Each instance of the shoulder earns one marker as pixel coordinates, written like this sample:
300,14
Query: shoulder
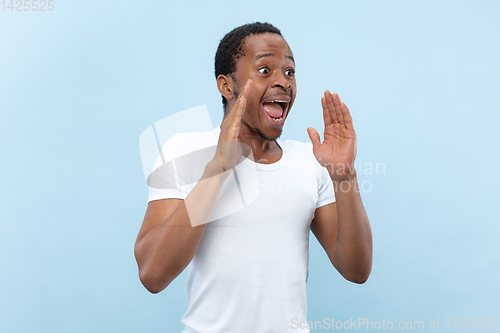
182,143
192,137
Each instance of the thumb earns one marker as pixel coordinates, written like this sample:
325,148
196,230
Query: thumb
314,136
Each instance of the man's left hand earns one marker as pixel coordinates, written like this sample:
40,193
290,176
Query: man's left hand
338,150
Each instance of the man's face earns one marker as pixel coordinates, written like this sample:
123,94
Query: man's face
268,62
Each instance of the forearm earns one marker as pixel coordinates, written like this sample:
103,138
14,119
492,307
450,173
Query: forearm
353,246
165,251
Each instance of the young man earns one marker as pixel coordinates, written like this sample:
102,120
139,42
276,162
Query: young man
248,269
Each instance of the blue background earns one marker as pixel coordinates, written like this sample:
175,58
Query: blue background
79,84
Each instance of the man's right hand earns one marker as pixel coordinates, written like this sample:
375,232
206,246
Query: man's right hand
230,148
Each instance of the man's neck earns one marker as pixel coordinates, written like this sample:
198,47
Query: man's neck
264,151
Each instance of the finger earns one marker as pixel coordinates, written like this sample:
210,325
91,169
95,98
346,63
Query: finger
246,88
241,107
347,116
234,108
314,136
331,107
243,94
228,127
236,111
336,105
240,110
326,114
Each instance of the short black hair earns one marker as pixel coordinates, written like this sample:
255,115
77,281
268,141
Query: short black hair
231,47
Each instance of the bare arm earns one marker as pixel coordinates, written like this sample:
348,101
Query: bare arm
172,228
167,240
342,228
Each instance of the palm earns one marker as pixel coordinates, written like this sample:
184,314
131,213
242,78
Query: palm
338,150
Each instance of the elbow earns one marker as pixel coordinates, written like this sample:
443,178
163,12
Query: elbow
358,278
149,275
155,279
355,271
152,288
156,276
148,282
358,275
151,282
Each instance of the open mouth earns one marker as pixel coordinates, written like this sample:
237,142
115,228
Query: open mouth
276,109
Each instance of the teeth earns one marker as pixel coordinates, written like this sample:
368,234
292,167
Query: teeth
277,119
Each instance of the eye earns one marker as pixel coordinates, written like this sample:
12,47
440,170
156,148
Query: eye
264,70
290,72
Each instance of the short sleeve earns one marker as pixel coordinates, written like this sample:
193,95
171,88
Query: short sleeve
326,194
174,174
175,193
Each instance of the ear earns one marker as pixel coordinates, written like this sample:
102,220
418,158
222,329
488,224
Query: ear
225,86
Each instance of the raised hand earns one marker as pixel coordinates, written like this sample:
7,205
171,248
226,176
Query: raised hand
338,150
230,148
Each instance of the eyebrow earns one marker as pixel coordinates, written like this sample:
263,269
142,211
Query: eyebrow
263,55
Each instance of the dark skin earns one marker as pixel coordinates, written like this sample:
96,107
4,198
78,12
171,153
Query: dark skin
342,227
173,228
271,75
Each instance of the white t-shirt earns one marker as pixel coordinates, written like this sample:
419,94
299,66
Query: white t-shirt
250,270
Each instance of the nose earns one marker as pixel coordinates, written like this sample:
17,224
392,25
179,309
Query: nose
280,80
